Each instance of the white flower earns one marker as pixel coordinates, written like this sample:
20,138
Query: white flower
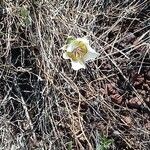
79,52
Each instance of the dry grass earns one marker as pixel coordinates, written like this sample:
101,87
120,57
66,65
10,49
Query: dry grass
44,104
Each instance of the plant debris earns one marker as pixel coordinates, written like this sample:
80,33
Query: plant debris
46,105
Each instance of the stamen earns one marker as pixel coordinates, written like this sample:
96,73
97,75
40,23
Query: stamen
79,52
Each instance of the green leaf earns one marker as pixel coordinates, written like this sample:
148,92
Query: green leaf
104,144
24,12
69,145
25,16
70,39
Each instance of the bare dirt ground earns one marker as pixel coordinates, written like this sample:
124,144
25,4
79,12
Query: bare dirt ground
44,104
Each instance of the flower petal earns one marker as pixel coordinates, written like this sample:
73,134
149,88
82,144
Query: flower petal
84,40
90,49
91,55
74,43
65,56
71,47
76,65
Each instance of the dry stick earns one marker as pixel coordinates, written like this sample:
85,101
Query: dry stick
138,96
112,47
43,54
121,16
18,89
74,86
28,118
136,31
72,122
25,109
109,45
133,47
142,61
81,126
8,47
141,37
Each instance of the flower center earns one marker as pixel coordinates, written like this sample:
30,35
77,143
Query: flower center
79,52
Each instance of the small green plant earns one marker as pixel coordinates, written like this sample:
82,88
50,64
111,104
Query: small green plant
25,16
69,145
104,143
